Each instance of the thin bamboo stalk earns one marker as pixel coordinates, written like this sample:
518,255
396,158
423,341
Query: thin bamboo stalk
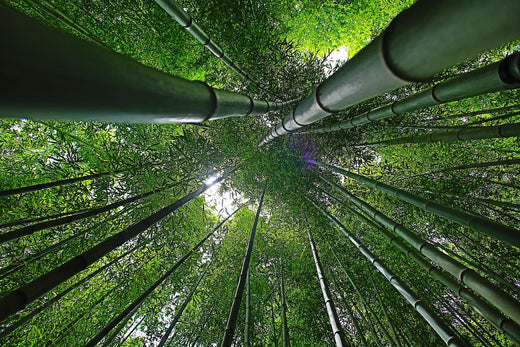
337,330
430,317
466,134
181,309
19,298
467,276
88,82
247,341
491,78
462,217
235,306
285,330
413,48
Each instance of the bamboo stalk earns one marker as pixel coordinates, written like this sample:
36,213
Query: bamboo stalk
414,47
462,217
18,299
285,330
431,318
235,306
88,82
337,330
467,276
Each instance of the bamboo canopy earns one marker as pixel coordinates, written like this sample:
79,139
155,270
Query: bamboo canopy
495,77
91,83
435,322
420,42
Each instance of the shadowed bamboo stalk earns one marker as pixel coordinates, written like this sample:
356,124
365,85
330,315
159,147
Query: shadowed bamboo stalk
247,341
121,343
285,329
462,217
186,21
181,310
18,299
431,318
413,48
39,219
337,330
511,161
492,78
466,134
467,276
30,229
235,306
116,332
89,82
137,302
56,183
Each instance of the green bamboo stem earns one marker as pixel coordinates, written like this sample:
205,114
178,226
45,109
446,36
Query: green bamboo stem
89,82
63,182
361,297
116,332
235,306
20,298
462,217
413,48
467,134
137,302
346,304
430,317
487,120
337,330
479,112
286,341
39,219
186,21
495,77
181,309
121,343
467,276
30,229
511,161
247,341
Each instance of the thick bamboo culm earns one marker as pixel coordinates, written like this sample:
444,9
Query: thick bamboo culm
337,330
18,299
479,224
431,318
186,21
494,316
227,340
91,83
495,77
467,134
500,299
420,42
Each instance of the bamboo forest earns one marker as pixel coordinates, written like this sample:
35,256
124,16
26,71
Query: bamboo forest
259,173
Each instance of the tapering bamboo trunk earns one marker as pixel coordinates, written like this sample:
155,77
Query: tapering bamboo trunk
337,330
492,78
285,330
467,276
431,318
181,309
413,48
247,332
235,306
30,229
18,299
462,217
88,82
467,134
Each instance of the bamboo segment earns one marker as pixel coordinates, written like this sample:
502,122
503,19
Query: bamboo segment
187,22
462,217
433,320
503,301
285,328
21,297
495,77
88,82
235,306
181,310
137,302
337,330
247,331
474,133
421,41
